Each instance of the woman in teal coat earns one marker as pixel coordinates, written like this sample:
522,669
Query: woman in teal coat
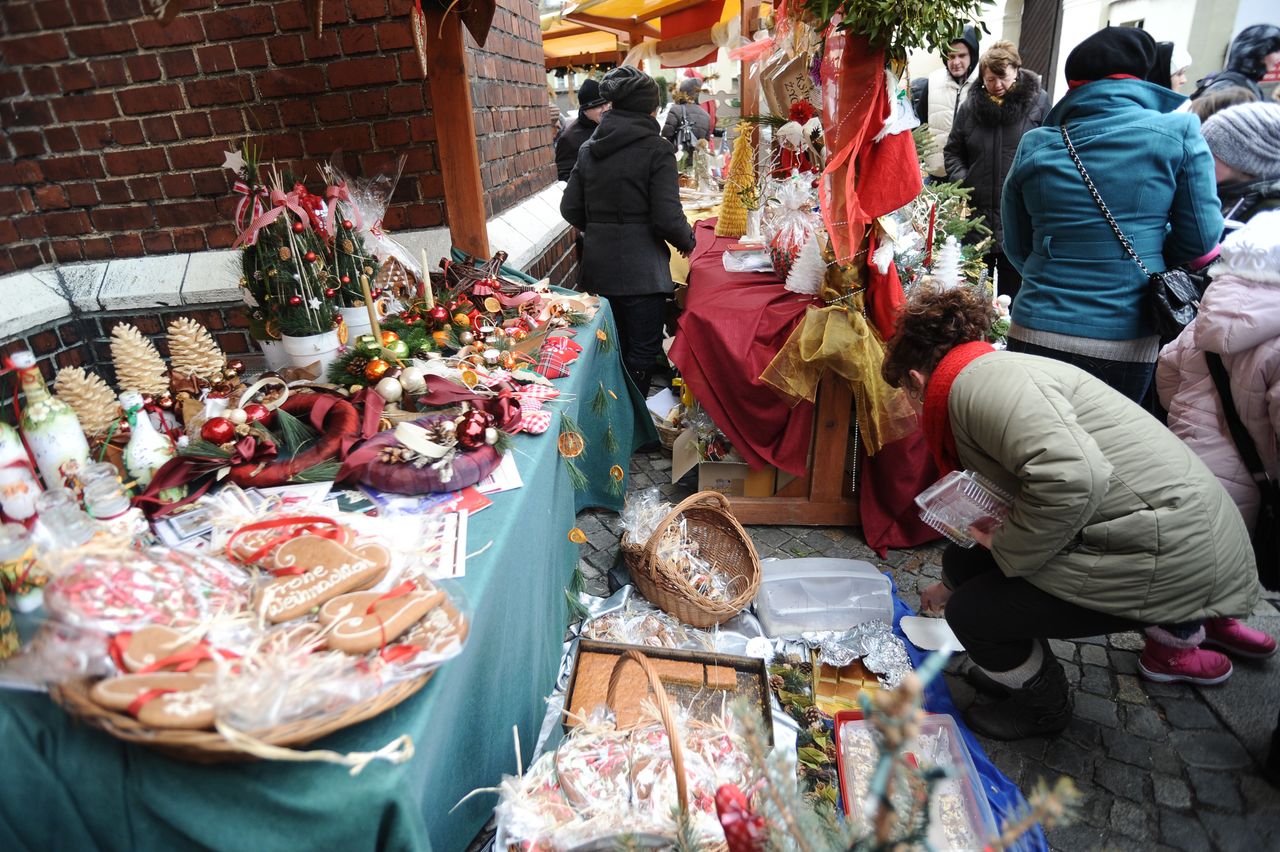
1083,299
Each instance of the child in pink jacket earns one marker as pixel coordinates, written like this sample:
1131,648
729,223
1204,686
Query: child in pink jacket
1240,320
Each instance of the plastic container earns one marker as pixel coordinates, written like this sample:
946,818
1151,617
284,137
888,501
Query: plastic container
961,818
800,595
960,500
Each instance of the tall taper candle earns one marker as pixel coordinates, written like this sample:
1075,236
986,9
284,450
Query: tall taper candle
426,283
373,309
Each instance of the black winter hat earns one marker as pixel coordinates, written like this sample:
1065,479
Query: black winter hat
630,89
1110,51
1250,46
589,95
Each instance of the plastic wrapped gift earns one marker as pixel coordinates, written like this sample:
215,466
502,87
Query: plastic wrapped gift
962,500
791,222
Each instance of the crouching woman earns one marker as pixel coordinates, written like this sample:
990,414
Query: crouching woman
1115,524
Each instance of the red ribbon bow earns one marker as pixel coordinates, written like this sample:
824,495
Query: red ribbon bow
334,194
249,207
280,202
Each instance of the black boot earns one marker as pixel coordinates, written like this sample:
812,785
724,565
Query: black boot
977,677
642,378
1040,707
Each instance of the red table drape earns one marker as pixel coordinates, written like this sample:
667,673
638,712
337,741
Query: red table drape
732,326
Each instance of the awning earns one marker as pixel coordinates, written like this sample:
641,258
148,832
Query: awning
586,32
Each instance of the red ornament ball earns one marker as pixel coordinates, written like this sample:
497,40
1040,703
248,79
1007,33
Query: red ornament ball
346,279
256,412
309,257
165,402
329,292
440,315
235,365
295,300
299,227
348,224
218,430
470,430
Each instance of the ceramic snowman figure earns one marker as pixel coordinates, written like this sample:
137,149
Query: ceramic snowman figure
50,426
148,449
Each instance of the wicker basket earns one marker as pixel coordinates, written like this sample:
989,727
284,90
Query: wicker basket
721,541
210,746
666,434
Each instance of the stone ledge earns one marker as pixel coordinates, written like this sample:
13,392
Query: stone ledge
48,294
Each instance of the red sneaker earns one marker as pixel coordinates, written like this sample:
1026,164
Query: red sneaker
1163,664
1236,637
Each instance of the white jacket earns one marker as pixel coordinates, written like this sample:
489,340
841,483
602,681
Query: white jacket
1239,319
945,97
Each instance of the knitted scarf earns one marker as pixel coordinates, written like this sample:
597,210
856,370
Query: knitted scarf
937,416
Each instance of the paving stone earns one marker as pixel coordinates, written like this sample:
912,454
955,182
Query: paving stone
1123,662
1163,690
1129,819
1129,690
1128,641
1072,672
1063,649
602,538
1069,759
602,560
1033,747
1187,713
1170,792
1121,779
1182,832
1082,732
1095,679
1094,655
1259,795
1232,833
1145,722
1114,842
661,464
1216,789
1092,640
1127,748
1076,836
1165,759
1096,709
1209,749
1012,764
769,537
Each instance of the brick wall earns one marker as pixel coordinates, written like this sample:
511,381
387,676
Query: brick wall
114,128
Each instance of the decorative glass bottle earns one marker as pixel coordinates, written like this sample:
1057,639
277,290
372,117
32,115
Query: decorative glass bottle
148,449
50,426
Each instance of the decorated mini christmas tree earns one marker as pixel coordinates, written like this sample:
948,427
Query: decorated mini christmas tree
192,351
139,366
349,256
946,270
739,186
90,398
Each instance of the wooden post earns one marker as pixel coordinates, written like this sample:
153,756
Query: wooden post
456,132
748,85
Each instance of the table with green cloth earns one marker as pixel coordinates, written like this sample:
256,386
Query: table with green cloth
64,785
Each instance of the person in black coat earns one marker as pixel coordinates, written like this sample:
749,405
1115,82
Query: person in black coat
624,195
1254,52
985,136
590,107
686,108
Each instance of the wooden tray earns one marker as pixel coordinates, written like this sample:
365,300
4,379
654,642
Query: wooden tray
702,702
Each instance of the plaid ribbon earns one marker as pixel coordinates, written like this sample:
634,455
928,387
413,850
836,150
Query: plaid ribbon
556,356
535,422
249,207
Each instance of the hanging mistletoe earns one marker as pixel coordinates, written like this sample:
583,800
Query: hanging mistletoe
899,25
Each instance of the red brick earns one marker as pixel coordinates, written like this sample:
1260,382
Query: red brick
113,192
237,23
210,319
166,97
40,81
177,185
357,40
109,72
81,194
285,49
34,49
407,98
185,213
160,128
371,70
11,85
27,143
123,10
145,188
219,90
6,263
297,113
215,57
158,242
291,16
395,35
226,121
320,48
31,227
67,251
70,223
133,218
19,17
262,117
236,317
391,133
364,9
129,245
184,29
94,137
9,204
370,104
193,125
75,77
178,63
51,197
26,114
198,154
135,161
72,168
8,233
220,236
422,128
44,342
90,12
144,68
188,239
70,357
127,132
250,54
288,82
333,107
233,343
53,14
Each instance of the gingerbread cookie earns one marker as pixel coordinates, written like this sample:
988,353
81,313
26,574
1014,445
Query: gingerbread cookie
440,633
363,621
255,543
158,648
159,699
328,569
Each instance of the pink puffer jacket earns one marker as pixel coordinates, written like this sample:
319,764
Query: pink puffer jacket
1240,319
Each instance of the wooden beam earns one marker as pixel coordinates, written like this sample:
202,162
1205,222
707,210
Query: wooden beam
748,83
456,132
614,57
621,27
572,31
669,10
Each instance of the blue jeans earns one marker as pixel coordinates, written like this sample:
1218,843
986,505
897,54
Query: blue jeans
1131,378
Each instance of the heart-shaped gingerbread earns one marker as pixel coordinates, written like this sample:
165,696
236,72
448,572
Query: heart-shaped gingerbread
327,569
363,621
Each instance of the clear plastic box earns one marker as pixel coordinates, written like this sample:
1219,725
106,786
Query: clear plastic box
799,595
960,500
961,818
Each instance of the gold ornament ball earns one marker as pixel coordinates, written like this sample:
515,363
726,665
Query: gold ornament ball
462,319
389,337
376,369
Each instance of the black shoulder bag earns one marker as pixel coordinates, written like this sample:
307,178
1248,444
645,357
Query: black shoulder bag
1172,297
1266,530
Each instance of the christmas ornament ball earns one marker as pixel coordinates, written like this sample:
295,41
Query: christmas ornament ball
471,429
256,412
329,293
295,300
218,430
467,338
376,369
441,338
237,416
298,227
439,315
389,389
367,344
348,224
236,366
346,279
309,257
389,337
398,348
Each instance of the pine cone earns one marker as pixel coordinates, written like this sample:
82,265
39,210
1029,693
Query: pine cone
806,668
775,683
139,366
813,715
90,398
192,351
356,365
395,455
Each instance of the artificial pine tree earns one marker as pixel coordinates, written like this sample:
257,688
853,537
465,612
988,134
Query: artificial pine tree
139,366
192,351
809,269
739,186
90,398
946,270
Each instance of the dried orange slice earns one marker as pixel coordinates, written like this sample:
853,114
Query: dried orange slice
617,473
577,536
571,444
492,305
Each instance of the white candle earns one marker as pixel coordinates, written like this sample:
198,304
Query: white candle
426,283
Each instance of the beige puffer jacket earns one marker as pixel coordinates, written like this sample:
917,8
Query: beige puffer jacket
945,97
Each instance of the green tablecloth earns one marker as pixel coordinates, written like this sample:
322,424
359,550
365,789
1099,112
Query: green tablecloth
66,786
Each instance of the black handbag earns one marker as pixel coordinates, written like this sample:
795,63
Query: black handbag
1172,298
1266,530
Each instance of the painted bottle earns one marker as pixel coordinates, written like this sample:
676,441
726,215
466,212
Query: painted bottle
50,426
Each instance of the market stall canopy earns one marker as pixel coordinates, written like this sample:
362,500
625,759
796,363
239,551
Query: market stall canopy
679,32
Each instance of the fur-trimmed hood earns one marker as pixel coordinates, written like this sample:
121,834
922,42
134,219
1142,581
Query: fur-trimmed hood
1016,103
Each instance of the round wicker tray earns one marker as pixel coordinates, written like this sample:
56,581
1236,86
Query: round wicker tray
210,746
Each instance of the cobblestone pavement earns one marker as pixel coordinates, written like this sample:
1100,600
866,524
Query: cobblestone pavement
1160,766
